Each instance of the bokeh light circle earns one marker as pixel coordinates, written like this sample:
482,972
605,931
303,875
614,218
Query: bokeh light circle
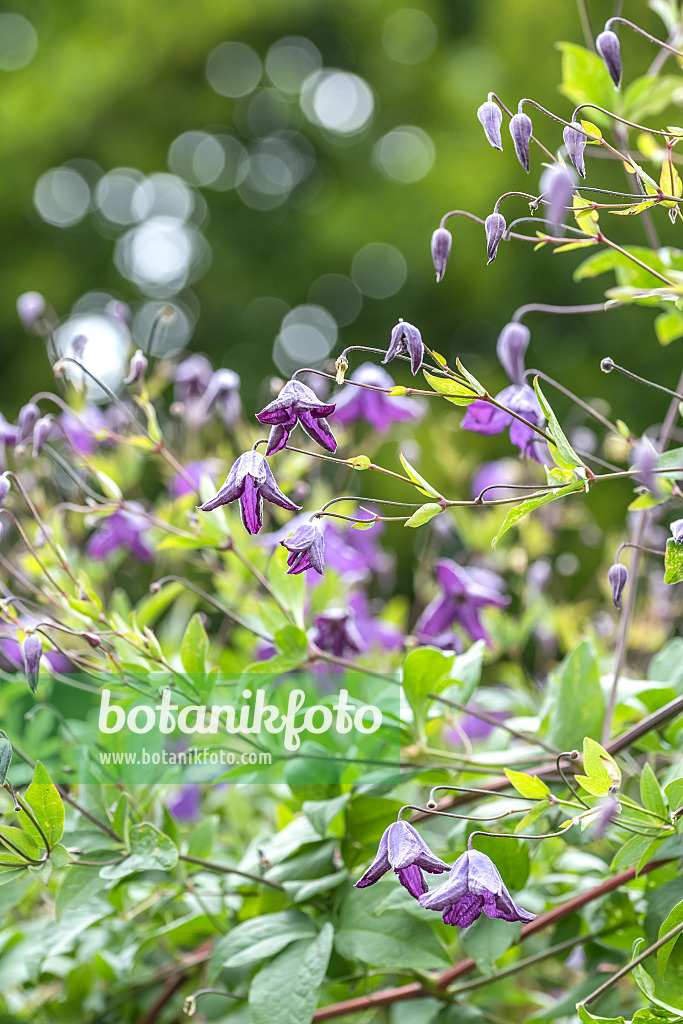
18,42
405,154
290,61
339,101
62,196
233,69
379,270
409,36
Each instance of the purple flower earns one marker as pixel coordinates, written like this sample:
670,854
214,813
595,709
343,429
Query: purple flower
513,341
186,803
557,184
31,306
499,473
375,632
403,849
8,434
356,554
494,227
191,379
491,118
41,432
29,415
336,632
306,548
441,250
474,885
464,593
406,340
483,418
676,528
295,402
137,368
222,395
607,45
123,529
11,655
120,311
250,480
377,408
80,432
4,488
521,130
618,578
575,142
644,461
179,487
31,653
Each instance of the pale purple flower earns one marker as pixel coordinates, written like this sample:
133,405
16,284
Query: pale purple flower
118,310
375,632
124,529
185,804
29,415
618,578
31,306
356,555
406,340
521,130
403,849
441,250
336,632
250,480
306,548
575,142
474,886
41,432
11,655
513,341
557,185
4,488
491,118
222,395
464,592
607,45
644,461
498,473
494,226
484,418
137,368
179,487
297,402
9,434
375,407
31,653
81,432
191,379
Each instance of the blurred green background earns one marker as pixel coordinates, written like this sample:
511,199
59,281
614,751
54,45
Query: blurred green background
297,139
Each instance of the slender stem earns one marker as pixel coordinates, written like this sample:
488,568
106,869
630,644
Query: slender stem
225,869
586,28
46,533
542,307
634,259
477,713
29,545
608,365
642,32
211,600
627,968
574,398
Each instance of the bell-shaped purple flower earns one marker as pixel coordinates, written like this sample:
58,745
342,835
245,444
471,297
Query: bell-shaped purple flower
374,407
575,142
250,480
618,578
295,402
124,529
403,849
513,341
676,527
191,379
557,184
607,45
464,593
306,548
336,632
484,418
442,240
521,130
406,340
474,886
137,368
491,118
31,653
41,432
494,227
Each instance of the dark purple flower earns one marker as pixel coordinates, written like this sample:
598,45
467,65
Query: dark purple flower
607,45
494,227
375,632
222,395
464,593
491,118
403,849
513,341
31,653
618,578
521,130
41,432
483,418
137,368
676,528
474,886
9,434
306,548
185,805
557,184
250,480
575,142
441,250
31,306
406,340
378,409
295,402
336,632
123,529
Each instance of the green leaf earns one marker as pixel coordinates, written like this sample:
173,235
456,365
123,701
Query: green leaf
292,642
587,1018
630,853
673,562
194,646
524,507
562,452
651,793
425,670
576,699
647,204
258,939
285,991
674,793
649,96
479,388
424,514
600,766
487,940
151,850
527,785
668,327
22,840
419,481
359,462
532,815
453,390
79,885
664,952
44,800
672,463
5,758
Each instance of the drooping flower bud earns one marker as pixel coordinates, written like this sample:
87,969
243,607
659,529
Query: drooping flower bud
41,432
644,461
137,368
495,229
31,653
575,142
607,45
676,529
513,341
4,488
521,130
491,118
557,184
30,307
618,577
441,250
29,414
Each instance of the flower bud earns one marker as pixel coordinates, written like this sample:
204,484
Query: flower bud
521,130
491,118
644,461
607,45
137,368
4,488
513,341
29,414
30,307
557,184
31,653
618,577
441,250
575,142
676,529
495,229
341,366
41,432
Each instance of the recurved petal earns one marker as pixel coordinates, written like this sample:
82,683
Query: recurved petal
450,891
465,912
278,437
270,490
318,428
231,489
379,866
504,907
251,506
411,878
